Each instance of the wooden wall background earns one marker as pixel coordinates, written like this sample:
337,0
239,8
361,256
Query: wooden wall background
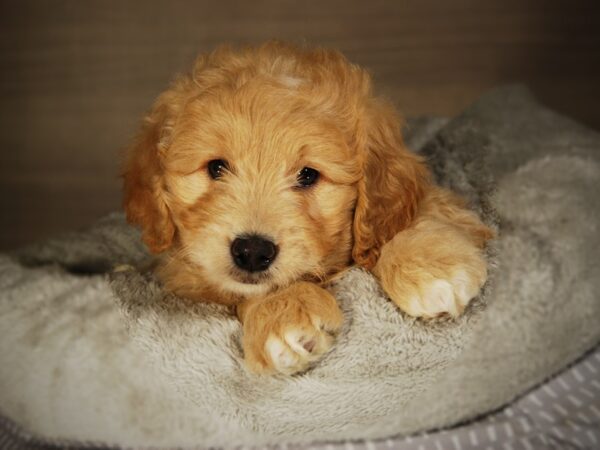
76,76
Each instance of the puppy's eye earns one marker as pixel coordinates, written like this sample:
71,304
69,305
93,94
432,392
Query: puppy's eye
216,168
307,177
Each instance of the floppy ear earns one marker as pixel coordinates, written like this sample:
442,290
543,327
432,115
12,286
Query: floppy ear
394,181
143,176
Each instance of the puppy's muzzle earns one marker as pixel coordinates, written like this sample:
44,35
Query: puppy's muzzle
253,253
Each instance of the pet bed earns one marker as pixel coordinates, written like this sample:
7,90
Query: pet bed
170,373
562,413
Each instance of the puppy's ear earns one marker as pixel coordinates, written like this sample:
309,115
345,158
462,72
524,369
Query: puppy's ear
143,176
394,181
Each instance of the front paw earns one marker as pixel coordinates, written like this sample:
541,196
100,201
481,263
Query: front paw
289,330
432,274
433,297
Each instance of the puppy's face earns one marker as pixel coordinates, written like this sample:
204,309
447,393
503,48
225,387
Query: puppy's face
261,187
266,166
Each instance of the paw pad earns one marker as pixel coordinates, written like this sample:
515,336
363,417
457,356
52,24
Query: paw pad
309,345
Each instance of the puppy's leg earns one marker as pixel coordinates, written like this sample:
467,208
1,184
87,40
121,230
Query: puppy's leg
289,329
437,265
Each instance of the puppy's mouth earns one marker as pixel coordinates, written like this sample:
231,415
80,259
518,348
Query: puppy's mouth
249,278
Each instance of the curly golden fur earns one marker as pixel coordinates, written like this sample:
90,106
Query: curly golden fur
268,112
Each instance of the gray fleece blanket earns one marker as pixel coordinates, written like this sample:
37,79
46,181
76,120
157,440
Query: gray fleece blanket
170,373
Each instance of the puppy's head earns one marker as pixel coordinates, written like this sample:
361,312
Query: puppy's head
269,165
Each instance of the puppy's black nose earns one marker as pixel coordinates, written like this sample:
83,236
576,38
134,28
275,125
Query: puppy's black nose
253,253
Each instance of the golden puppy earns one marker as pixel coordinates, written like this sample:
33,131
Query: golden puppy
266,171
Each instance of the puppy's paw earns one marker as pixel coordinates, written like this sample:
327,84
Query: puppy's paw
433,297
297,347
429,273
289,330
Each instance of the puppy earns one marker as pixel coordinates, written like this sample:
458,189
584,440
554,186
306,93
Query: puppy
265,172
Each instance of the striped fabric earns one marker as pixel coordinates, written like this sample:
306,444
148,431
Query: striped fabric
563,413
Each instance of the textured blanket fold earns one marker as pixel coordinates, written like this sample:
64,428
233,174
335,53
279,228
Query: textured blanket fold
132,365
